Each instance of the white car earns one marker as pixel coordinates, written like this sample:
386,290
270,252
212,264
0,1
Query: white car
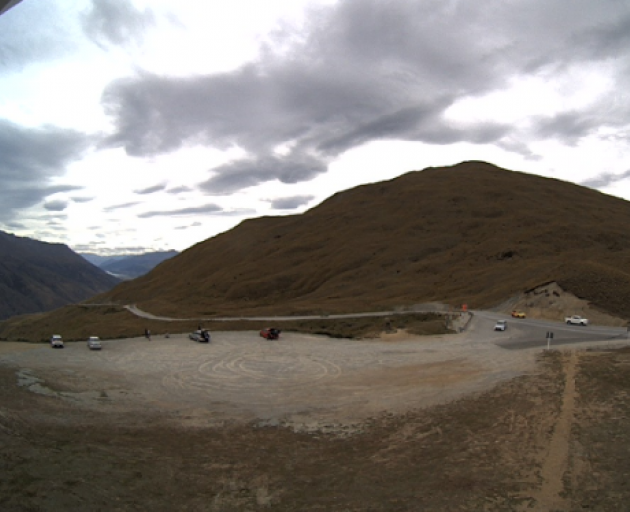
56,341
94,343
501,325
576,320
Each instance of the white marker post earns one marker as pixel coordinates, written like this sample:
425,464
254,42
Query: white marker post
549,338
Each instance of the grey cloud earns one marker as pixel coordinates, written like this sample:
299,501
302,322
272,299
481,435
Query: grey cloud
81,199
249,172
568,126
209,208
53,216
116,22
85,248
150,190
43,235
367,70
110,251
15,225
290,203
605,179
192,225
604,40
120,206
388,126
178,190
56,205
29,158
56,227
518,146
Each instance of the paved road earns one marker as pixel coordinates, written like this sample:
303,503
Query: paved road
521,333
527,333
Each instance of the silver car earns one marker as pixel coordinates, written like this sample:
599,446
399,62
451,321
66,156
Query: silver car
501,325
94,343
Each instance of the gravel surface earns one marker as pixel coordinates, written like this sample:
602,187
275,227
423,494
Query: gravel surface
304,381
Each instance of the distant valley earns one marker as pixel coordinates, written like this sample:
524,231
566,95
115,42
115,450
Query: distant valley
126,267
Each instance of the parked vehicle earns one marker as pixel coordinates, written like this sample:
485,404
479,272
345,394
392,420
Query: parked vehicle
270,333
501,325
56,341
576,320
94,343
202,335
518,314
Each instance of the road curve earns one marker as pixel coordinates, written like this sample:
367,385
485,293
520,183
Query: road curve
132,308
521,333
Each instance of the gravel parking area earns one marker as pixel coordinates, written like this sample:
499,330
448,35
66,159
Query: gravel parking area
305,381
311,423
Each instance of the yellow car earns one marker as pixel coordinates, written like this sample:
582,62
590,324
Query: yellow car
518,314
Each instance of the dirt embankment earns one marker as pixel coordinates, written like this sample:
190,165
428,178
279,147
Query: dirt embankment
551,302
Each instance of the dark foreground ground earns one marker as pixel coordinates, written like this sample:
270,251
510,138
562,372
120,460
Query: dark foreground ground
554,440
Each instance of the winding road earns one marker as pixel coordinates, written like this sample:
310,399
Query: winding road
521,333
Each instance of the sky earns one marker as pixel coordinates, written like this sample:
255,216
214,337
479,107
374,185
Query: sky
135,125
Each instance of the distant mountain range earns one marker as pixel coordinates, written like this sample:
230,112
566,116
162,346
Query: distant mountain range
127,267
38,276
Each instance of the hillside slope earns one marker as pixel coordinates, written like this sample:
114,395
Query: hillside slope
37,276
472,233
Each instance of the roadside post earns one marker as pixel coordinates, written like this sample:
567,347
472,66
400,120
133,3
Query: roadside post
549,338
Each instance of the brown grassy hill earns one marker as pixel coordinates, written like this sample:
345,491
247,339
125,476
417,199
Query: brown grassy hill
472,233
38,276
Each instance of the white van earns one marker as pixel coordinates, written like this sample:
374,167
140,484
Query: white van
56,341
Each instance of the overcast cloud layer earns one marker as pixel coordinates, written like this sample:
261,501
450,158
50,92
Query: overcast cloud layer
540,85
